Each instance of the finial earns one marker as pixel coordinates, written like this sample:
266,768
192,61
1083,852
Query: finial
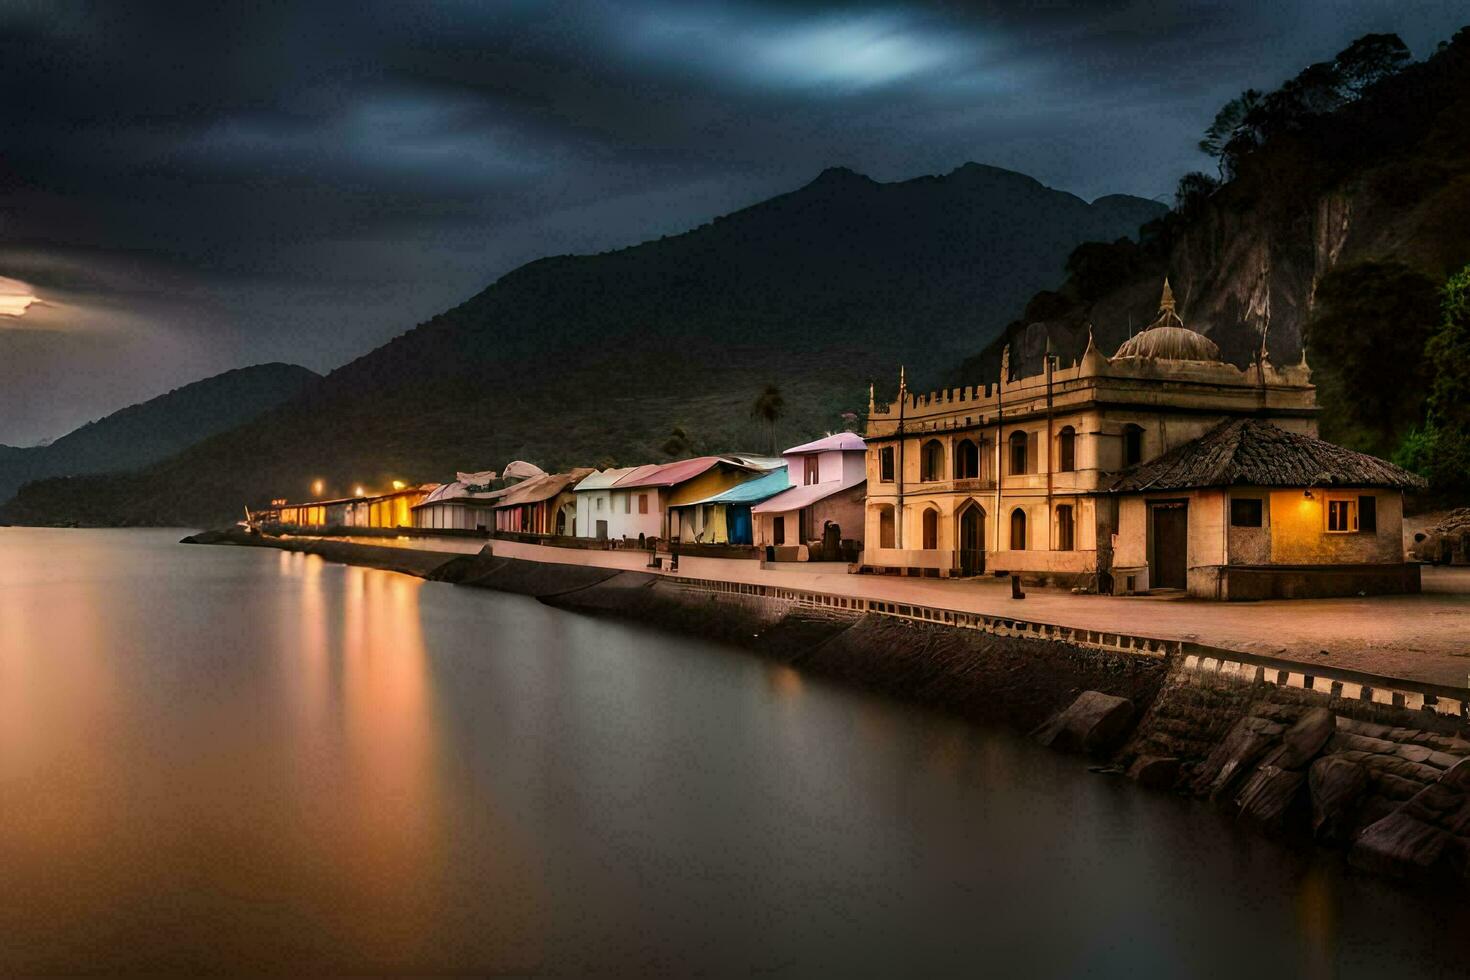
903,384
1091,345
1166,301
872,404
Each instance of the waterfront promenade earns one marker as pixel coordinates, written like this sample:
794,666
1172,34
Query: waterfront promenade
1422,637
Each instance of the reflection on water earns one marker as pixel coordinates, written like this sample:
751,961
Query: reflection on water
213,757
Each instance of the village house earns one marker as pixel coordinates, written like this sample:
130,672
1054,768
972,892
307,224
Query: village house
724,517
461,505
1018,476
595,516
653,502
823,504
541,505
1251,511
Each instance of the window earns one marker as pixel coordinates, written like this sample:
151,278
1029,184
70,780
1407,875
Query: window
599,503
643,503
1066,528
931,529
811,470
778,530
1342,516
1132,445
1067,450
1018,530
1018,453
931,461
1368,513
1245,512
885,464
966,460
885,527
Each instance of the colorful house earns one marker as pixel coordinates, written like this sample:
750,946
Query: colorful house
642,500
1252,511
543,505
824,503
724,517
462,505
389,510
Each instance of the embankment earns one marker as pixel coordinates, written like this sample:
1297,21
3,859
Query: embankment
1368,764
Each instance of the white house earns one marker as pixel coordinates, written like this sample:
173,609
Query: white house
595,518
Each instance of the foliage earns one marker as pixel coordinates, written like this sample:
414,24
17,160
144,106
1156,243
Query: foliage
1440,450
1370,401
1193,191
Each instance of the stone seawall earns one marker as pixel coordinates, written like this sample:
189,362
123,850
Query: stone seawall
1370,764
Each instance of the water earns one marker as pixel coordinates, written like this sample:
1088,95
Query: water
213,757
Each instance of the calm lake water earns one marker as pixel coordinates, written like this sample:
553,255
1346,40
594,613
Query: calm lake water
213,757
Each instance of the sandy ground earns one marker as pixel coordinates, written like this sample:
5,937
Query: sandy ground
1424,637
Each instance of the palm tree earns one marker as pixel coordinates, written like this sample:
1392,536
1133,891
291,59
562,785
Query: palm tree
768,407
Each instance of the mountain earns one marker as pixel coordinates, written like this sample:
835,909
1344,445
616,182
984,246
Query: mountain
1345,208
578,360
158,428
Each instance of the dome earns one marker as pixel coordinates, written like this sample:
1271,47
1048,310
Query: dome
1168,339
1170,343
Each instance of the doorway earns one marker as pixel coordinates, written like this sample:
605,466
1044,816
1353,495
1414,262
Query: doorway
972,541
1168,555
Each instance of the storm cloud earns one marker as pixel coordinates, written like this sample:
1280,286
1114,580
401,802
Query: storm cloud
187,190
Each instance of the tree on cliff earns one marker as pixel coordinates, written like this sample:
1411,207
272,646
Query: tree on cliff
1440,450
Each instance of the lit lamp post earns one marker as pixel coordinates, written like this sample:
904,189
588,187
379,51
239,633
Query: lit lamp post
317,486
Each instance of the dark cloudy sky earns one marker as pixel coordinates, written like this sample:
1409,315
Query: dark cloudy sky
187,191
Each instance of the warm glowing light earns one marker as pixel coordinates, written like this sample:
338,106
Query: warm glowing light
358,492
16,297
399,484
316,488
1307,493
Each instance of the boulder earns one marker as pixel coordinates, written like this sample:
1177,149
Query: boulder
1336,787
1426,838
1095,723
1271,798
1155,771
1302,741
1236,754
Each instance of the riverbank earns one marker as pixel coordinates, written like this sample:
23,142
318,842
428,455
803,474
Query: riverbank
1367,763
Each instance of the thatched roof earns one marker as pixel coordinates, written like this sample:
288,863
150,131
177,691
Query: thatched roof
1253,453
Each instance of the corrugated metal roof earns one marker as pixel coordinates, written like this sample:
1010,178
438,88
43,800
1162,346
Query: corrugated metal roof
602,479
840,441
752,491
668,474
799,497
540,488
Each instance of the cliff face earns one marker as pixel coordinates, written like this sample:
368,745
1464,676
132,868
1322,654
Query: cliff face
1385,179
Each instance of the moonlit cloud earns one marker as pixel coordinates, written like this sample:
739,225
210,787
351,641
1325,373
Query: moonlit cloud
16,297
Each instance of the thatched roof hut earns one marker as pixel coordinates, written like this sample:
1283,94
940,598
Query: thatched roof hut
1253,453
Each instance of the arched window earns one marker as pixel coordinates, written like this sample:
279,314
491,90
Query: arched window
1066,528
931,529
885,526
1018,530
931,461
1132,444
1018,453
1067,450
966,460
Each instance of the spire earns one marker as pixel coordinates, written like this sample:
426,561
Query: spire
1166,301
872,404
903,384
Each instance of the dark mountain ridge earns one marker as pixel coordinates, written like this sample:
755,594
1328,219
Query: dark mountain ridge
134,437
576,360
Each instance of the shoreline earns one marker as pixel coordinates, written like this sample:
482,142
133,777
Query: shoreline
1376,766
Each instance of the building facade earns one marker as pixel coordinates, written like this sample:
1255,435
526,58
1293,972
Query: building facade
825,502
1013,477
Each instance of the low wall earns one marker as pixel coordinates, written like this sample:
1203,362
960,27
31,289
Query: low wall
1242,583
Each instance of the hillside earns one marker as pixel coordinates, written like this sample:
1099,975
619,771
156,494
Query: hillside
578,360
158,428
1336,225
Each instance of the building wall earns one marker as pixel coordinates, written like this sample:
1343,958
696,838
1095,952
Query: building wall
1300,536
625,520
